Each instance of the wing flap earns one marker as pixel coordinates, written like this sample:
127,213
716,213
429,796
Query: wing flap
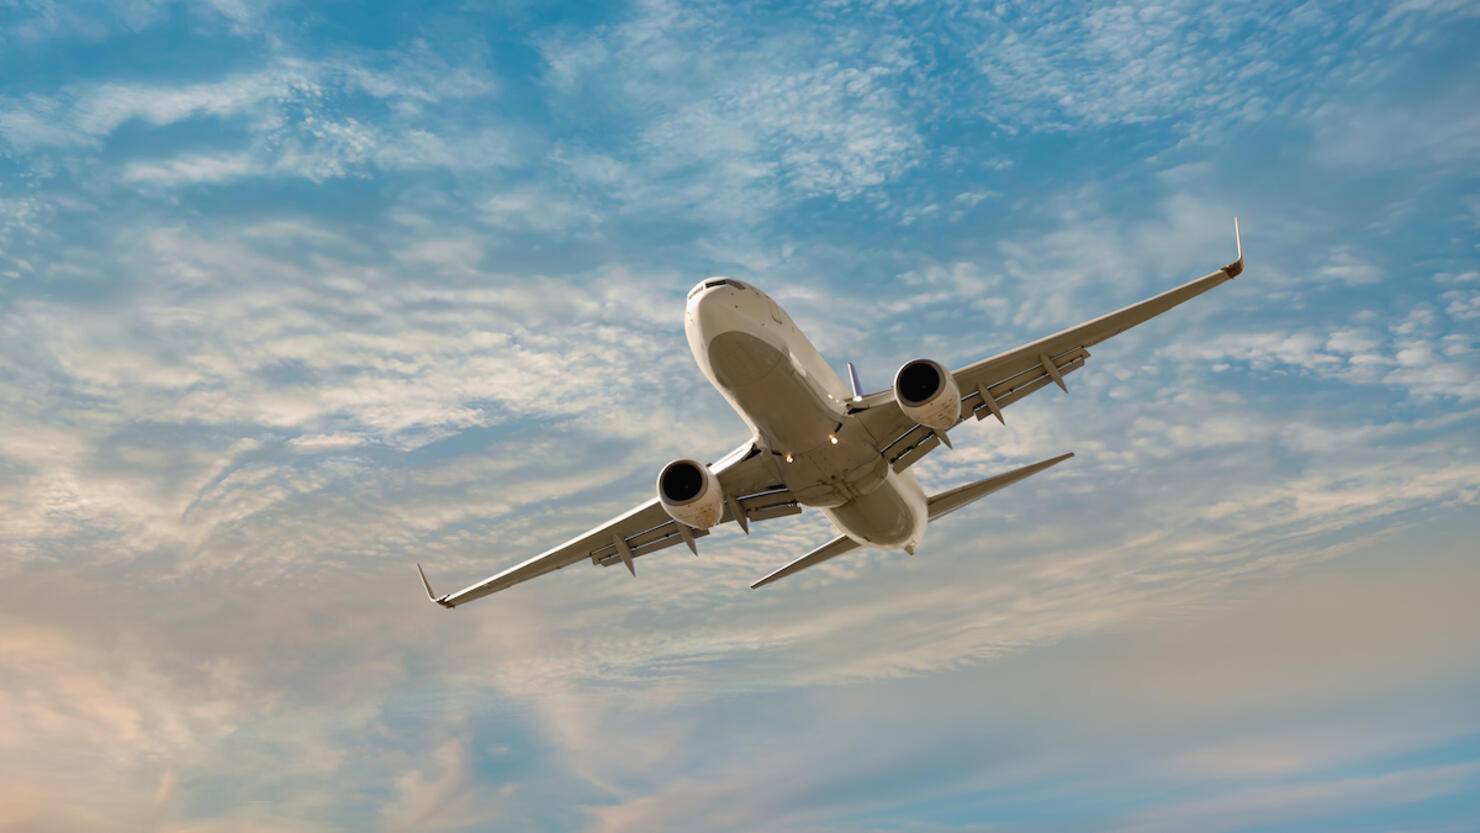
648,541
763,506
777,503
783,510
772,503
1016,387
910,446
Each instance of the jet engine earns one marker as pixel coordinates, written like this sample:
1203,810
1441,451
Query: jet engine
928,394
690,494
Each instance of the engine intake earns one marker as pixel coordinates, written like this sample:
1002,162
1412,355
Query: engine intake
928,394
691,494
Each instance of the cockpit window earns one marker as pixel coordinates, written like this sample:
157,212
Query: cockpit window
713,283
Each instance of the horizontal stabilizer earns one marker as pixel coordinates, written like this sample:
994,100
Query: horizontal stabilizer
958,497
835,547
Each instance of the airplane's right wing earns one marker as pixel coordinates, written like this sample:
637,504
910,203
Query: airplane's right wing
992,384
753,493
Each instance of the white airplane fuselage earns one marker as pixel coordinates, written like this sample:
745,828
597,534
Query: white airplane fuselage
797,411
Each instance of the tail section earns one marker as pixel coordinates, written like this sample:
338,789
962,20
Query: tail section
835,547
941,504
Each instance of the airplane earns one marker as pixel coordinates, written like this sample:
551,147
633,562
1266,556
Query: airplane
814,442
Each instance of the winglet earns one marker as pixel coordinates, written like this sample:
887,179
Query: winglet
853,381
1236,268
428,585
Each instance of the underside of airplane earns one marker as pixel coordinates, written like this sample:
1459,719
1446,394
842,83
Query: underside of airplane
816,442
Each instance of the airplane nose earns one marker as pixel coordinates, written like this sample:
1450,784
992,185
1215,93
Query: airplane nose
711,300
714,286
717,322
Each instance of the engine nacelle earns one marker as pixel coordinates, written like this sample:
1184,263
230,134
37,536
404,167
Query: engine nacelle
928,394
690,494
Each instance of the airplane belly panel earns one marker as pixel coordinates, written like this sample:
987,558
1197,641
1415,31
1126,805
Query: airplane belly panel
892,517
760,380
740,360
834,473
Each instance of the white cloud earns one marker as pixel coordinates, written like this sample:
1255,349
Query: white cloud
327,442
1462,306
532,209
1383,133
785,117
1343,266
43,20
36,125
1051,67
1419,362
327,363
449,799
291,113
1262,805
1462,277
189,170
467,151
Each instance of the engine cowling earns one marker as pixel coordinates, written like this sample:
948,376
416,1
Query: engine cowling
691,494
928,394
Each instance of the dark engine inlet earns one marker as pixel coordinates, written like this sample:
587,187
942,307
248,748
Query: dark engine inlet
918,382
681,482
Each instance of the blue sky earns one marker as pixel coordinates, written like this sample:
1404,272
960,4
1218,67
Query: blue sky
291,298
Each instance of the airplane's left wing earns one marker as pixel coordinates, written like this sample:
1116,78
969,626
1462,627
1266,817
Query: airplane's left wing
991,384
752,493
